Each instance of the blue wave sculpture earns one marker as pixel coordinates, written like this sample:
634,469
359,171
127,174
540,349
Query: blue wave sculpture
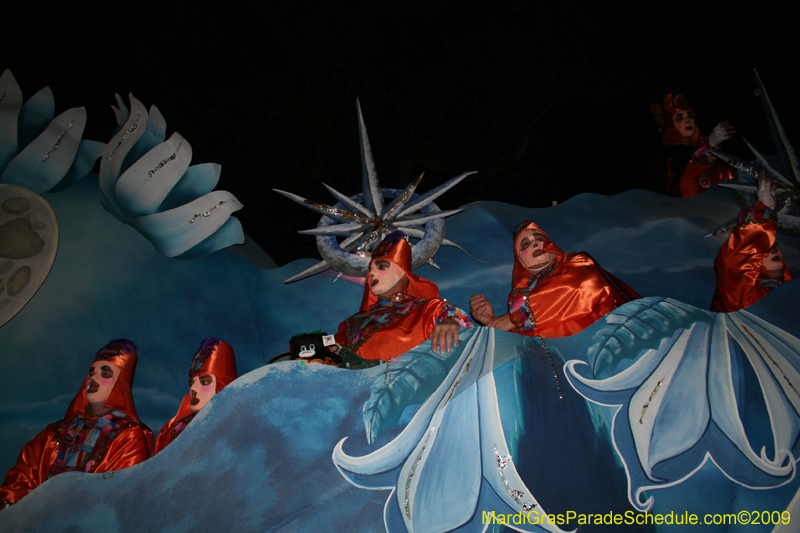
678,376
146,182
38,150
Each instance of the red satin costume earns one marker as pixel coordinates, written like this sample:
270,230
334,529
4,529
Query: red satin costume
567,297
742,279
214,357
690,168
383,330
124,442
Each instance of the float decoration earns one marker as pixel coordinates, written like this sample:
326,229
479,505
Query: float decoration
676,374
39,151
147,182
364,220
787,198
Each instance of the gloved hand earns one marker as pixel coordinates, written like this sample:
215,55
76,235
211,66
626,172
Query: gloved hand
766,190
721,132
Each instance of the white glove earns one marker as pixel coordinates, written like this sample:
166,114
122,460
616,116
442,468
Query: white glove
766,190
721,132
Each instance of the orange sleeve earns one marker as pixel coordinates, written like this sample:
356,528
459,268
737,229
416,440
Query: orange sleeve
163,438
32,468
739,264
571,299
129,448
341,335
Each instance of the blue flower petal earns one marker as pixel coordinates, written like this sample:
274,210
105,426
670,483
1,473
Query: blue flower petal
154,134
229,234
176,231
114,155
10,105
195,182
88,153
142,188
682,403
448,460
45,161
35,115
121,113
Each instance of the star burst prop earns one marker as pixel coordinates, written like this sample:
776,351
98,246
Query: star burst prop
788,197
363,220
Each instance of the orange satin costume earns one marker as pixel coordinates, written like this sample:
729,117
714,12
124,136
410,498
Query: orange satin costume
690,168
567,297
214,357
384,329
740,263
125,443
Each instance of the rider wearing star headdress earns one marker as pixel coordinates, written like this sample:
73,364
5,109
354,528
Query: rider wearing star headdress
399,310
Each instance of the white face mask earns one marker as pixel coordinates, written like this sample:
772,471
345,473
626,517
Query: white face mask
202,389
684,122
100,381
530,250
774,263
383,275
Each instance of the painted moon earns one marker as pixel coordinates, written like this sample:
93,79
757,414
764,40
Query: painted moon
28,244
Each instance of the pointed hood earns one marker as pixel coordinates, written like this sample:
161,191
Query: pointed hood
520,274
395,248
213,357
122,354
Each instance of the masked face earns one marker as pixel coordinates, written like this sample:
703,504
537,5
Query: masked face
684,122
202,389
774,263
530,250
383,275
100,380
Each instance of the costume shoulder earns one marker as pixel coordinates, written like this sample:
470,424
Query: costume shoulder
130,444
33,465
621,291
579,258
739,263
170,431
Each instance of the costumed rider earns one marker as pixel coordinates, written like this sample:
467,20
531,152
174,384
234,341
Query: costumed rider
750,263
399,310
100,431
213,368
685,163
553,294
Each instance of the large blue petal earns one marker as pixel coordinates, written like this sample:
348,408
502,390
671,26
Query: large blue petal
142,188
45,161
670,412
418,373
88,153
114,155
444,492
454,456
154,134
121,113
229,234
195,182
682,403
10,105
175,231
35,115
392,456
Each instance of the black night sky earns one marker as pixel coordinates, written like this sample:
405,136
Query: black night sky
545,99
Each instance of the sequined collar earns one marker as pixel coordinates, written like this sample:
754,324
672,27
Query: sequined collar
396,297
